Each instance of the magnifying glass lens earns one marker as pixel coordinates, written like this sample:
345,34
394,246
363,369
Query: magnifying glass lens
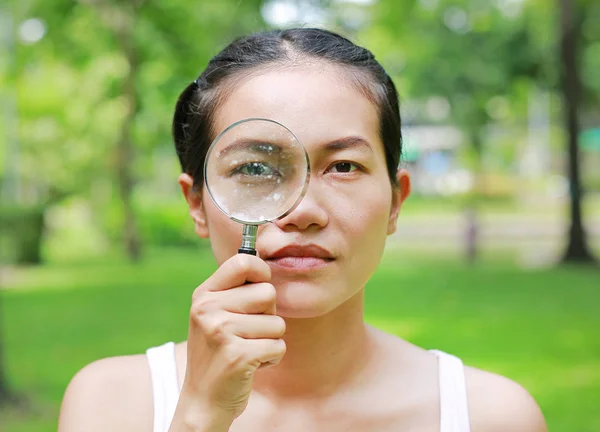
256,171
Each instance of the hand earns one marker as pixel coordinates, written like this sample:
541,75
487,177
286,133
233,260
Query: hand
233,331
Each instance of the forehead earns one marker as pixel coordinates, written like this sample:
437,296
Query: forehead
317,102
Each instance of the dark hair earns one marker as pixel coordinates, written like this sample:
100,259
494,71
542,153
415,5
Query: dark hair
193,121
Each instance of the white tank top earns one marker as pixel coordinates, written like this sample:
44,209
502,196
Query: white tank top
454,414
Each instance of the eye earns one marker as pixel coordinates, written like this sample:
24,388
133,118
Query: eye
255,169
343,167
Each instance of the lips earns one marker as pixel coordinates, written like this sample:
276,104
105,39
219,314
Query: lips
300,257
310,250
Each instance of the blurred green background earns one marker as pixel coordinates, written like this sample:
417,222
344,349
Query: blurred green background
494,256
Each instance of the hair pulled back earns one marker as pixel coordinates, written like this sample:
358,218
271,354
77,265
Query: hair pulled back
193,120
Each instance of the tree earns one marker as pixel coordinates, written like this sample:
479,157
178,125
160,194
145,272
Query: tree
466,53
570,50
98,92
120,20
5,393
472,52
6,175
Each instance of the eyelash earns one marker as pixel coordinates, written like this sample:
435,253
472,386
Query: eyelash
357,167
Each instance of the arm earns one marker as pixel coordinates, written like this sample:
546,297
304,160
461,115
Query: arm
111,394
233,331
497,404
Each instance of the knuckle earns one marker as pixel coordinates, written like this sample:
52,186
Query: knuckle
280,325
217,328
268,292
200,291
234,357
248,373
264,268
202,304
243,264
196,295
281,347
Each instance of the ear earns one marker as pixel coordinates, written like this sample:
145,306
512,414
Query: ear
399,194
194,200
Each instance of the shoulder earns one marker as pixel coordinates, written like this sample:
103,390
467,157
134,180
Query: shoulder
499,404
109,394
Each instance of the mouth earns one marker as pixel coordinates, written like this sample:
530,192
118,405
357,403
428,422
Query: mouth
300,258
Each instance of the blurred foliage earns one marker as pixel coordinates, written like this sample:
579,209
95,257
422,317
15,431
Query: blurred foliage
472,51
69,104
477,63
471,63
167,224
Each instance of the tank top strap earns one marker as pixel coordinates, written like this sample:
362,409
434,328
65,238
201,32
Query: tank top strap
454,410
165,388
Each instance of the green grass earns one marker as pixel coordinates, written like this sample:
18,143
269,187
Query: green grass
537,327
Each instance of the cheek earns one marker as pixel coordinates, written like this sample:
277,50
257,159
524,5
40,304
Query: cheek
225,235
363,223
364,209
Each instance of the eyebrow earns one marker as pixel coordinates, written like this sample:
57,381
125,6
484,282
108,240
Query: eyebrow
266,147
347,143
255,145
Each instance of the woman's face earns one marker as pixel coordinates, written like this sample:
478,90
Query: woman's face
326,249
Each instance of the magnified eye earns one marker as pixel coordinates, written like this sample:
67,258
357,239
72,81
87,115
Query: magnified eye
256,170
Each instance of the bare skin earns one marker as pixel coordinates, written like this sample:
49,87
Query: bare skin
290,350
116,394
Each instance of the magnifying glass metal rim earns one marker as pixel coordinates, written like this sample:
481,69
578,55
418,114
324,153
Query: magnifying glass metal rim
213,145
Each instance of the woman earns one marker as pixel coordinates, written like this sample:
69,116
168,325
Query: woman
278,343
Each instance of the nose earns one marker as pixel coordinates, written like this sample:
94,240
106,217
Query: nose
309,214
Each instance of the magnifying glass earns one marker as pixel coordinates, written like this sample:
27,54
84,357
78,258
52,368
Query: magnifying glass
256,171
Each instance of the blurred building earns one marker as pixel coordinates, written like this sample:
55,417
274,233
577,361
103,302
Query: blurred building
431,155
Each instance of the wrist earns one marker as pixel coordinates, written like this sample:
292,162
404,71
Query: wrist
205,422
195,415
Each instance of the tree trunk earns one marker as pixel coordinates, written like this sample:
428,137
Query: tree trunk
8,396
471,214
125,148
577,249
9,187
5,394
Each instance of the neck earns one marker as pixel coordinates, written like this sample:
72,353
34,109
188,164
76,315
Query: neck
321,354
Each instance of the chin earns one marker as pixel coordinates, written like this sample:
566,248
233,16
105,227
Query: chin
303,299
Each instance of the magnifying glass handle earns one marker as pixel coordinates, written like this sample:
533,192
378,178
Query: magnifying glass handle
248,239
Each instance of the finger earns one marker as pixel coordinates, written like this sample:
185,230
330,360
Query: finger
254,298
238,270
265,350
257,326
